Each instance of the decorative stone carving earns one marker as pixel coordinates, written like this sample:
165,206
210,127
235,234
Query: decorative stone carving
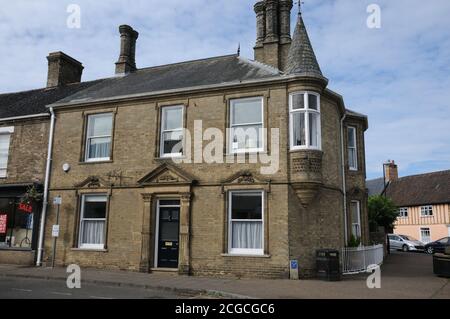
306,192
167,174
306,174
246,178
93,182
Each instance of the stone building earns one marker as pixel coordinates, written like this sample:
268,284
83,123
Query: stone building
24,130
138,192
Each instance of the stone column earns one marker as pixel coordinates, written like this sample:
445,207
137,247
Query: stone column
285,21
260,23
185,224
146,233
271,21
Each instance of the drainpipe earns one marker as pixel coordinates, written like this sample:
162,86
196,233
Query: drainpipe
344,190
46,184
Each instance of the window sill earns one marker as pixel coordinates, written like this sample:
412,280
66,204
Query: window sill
246,255
299,150
95,162
15,249
93,250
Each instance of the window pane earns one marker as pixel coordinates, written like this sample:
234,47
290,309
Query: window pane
94,209
352,158
355,212
173,118
246,235
314,129
298,120
351,137
100,125
173,142
312,102
246,206
167,202
99,147
298,101
246,111
247,137
93,232
4,150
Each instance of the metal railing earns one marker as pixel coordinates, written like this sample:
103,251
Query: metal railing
356,260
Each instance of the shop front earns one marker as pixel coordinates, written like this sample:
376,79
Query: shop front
19,222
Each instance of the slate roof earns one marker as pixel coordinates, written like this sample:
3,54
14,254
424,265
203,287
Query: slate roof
425,189
353,113
34,101
375,186
211,71
301,57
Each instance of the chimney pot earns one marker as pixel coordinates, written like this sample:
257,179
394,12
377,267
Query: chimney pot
63,69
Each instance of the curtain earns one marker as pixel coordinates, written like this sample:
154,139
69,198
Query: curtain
93,231
247,235
99,147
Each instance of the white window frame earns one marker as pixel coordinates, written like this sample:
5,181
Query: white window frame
245,251
358,206
162,131
6,131
306,111
403,212
355,148
88,138
422,229
426,211
231,150
80,233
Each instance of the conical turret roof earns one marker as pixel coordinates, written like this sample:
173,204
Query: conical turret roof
301,57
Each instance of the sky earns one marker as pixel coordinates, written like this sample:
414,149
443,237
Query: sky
398,74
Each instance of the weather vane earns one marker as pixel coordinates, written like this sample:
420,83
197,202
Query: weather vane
300,2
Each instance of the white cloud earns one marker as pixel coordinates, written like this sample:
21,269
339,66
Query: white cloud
398,75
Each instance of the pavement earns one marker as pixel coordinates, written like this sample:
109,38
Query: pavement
403,275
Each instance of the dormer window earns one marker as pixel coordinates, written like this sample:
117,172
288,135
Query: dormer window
304,118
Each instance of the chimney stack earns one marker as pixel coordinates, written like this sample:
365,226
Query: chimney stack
63,69
390,171
273,36
127,58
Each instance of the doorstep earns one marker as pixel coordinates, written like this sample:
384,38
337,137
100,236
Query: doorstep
173,271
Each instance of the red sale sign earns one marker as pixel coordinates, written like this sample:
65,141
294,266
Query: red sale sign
3,223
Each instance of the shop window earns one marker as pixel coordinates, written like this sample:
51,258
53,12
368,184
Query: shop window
16,224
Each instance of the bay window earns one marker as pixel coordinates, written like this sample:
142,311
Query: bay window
352,149
246,222
246,125
171,131
98,137
92,222
5,136
304,118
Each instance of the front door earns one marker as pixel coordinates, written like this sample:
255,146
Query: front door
168,233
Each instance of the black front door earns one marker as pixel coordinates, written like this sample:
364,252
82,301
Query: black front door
168,241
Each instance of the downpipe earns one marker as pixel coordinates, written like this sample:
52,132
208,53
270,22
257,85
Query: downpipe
344,188
46,186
